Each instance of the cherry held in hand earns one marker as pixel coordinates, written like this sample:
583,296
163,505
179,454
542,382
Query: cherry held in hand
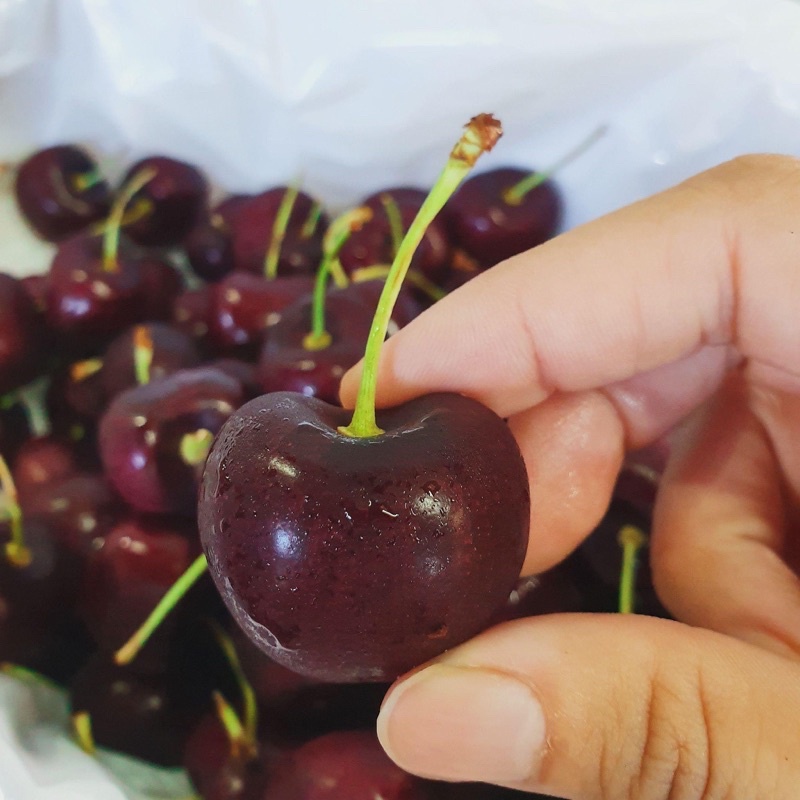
352,552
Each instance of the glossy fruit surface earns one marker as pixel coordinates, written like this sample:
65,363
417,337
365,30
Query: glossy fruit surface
53,196
357,559
491,229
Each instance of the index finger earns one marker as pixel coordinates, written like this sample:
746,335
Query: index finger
713,261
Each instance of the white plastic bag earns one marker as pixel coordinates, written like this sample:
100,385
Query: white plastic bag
356,95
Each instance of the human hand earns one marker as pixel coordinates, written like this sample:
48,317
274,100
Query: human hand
685,306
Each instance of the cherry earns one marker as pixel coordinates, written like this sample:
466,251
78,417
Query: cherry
288,363
379,545
14,426
255,223
86,299
491,227
80,510
36,287
343,766
243,306
209,249
172,350
42,461
141,437
60,192
21,335
162,285
379,552
130,712
191,313
138,561
377,241
172,201
227,210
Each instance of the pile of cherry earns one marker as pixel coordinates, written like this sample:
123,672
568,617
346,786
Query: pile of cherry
159,317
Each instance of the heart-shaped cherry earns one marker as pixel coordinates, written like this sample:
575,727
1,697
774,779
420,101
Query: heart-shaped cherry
355,552
60,191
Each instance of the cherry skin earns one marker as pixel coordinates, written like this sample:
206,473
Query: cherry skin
191,313
172,350
42,461
53,195
373,242
21,335
130,712
243,306
343,766
162,284
87,301
286,364
227,210
141,432
491,229
14,428
175,199
209,250
356,559
251,225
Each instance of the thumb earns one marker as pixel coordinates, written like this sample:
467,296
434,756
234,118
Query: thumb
603,708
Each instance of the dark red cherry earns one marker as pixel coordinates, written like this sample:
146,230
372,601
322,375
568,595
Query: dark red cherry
162,285
251,227
373,242
142,430
242,371
490,228
228,209
35,599
172,350
36,287
137,562
14,426
173,201
356,559
130,712
21,336
243,306
80,510
343,766
482,791
286,364
42,461
59,192
209,250
86,300
191,313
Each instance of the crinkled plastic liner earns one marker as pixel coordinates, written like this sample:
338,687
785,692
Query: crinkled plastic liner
352,96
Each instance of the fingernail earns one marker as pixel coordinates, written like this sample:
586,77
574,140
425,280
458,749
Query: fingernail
463,724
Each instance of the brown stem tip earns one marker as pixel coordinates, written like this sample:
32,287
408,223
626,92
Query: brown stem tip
480,136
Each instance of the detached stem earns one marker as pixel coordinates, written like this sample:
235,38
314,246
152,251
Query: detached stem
480,135
279,228
17,553
631,539
174,595
115,218
516,194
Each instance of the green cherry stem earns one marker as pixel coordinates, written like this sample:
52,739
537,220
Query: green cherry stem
17,553
310,225
516,193
249,700
142,354
115,218
85,180
480,135
82,726
335,238
174,595
631,539
392,211
380,271
279,228
242,746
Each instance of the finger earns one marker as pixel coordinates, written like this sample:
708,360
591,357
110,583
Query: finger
712,261
720,527
598,707
573,446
